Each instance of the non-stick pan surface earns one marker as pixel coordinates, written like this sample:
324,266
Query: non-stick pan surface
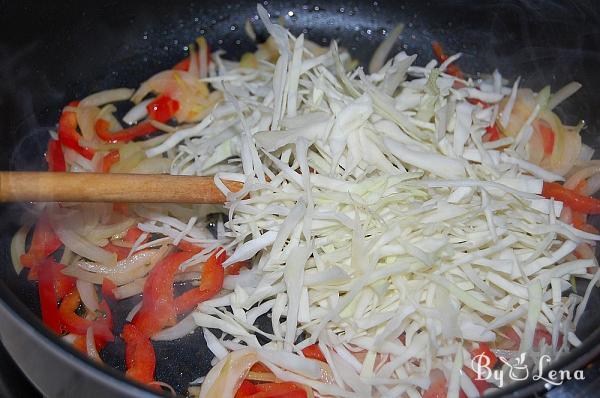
51,53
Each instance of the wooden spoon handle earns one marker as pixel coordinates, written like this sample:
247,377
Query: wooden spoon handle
43,186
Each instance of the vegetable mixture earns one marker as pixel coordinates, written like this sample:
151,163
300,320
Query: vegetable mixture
392,227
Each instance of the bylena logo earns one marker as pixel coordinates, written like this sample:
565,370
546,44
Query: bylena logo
518,369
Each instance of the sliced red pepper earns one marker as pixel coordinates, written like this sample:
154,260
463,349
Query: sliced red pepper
109,160
475,101
246,389
491,134
578,219
108,289
63,284
68,135
183,65
133,234
162,108
259,367
441,56
439,385
125,135
547,137
189,247
234,269
576,201
140,358
211,283
48,297
158,305
121,252
43,243
314,352
484,350
73,323
55,156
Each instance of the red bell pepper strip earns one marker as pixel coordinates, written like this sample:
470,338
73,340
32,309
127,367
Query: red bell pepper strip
125,135
55,156
43,243
48,298
492,134
484,351
547,137
576,201
259,367
121,252
246,389
475,101
162,108
133,234
108,289
73,323
189,247
109,160
274,390
63,284
68,135
441,56
211,283
183,65
140,358
234,269
314,352
158,305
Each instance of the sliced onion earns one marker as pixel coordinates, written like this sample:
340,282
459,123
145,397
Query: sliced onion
585,252
127,265
88,295
107,96
170,82
86,119
90,345
129,290
581,175
107,231
72,158
535,147
137,112
17,247
181,329
82,246
593,185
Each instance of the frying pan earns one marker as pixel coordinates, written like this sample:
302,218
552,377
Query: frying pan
51,53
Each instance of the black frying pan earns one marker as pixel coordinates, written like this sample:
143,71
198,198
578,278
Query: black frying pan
51,53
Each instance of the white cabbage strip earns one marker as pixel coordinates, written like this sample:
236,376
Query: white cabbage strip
378,224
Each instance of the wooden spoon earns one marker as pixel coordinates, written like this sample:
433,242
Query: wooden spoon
22,186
